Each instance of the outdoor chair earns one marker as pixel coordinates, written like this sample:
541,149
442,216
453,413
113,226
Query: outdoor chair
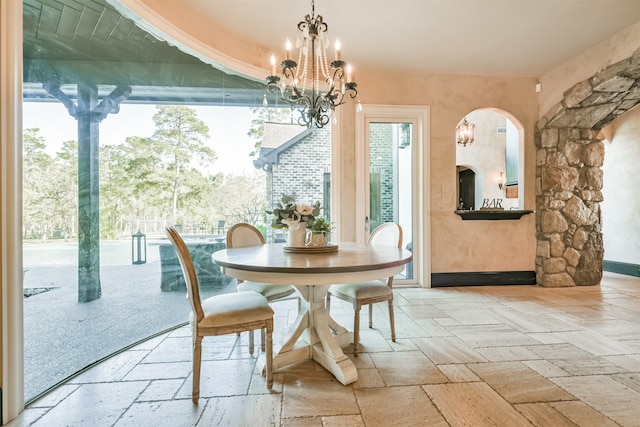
222,314
371,292
241,235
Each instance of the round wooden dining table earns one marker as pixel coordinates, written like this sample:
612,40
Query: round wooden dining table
314,334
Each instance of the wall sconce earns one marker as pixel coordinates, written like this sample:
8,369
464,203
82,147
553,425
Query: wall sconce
501,184
465,132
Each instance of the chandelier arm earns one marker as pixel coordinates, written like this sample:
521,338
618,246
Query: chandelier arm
350,88
305,118
289,67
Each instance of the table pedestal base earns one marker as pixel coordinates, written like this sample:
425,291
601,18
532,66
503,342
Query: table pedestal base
315,335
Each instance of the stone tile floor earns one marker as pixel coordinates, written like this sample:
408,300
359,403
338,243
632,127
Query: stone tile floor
468,356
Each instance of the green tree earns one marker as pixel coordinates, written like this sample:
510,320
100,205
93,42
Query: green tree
63,188
115,191
243,198
180,136
199,192
36,164
50,188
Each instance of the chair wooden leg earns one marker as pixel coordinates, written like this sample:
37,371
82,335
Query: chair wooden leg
356,330
197,358
250,342
269,355
392,321
370,316
262,339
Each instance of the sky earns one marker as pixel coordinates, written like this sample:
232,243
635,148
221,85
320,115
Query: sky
228,127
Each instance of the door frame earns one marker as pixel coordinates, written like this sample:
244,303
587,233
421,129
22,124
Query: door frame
11,293
418,116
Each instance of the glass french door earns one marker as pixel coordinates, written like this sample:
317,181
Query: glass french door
390,177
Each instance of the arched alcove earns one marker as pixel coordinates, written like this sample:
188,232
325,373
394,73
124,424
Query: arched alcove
497,159
569,178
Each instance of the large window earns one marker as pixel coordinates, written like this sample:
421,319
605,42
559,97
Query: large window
124,135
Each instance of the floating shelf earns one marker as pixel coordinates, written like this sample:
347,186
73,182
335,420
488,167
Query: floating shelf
492,215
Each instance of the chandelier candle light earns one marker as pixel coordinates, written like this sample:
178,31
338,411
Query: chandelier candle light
315,103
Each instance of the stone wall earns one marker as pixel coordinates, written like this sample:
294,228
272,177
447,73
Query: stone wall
569,159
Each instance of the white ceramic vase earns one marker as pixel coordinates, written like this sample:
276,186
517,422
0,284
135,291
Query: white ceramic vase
296,234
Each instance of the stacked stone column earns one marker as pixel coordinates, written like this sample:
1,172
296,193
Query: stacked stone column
569,159
568,194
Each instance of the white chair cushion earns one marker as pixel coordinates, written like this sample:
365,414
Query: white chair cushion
270,292
359,290
234,308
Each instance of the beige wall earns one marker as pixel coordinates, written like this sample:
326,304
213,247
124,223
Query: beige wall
585,65
458,245
620,224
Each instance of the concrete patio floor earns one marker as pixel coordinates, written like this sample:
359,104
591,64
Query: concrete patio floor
63,336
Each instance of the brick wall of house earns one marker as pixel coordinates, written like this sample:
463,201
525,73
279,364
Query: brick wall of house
300,172
381,162
301,168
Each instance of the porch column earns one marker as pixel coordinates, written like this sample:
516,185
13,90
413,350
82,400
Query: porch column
88,195
89,114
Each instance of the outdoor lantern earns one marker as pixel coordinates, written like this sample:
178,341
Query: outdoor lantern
138,241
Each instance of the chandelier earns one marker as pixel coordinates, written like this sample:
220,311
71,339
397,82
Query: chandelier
312,85
465,132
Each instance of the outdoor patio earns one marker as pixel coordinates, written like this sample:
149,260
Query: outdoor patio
63,336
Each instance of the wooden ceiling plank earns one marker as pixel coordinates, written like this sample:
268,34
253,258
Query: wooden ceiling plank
68,22
123,29
49,21
107,22
73,4
87,23
138,35
88,41
30,18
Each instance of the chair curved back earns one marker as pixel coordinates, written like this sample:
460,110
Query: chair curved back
243,234
387,234
189,272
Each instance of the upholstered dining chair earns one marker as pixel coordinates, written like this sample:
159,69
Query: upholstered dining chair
371,292
221,314
241,235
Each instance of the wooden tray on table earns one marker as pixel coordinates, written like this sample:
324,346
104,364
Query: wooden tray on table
331,247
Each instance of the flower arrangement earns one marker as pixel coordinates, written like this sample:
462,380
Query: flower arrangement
288,212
